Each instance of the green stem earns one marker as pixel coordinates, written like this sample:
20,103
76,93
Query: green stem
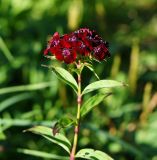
77,127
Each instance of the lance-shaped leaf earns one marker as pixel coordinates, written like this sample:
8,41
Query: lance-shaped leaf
58,138
90,67
66,77
102,84
92,154
92,102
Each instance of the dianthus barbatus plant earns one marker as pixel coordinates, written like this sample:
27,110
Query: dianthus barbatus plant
79,48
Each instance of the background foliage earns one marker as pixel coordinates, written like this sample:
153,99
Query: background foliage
125,124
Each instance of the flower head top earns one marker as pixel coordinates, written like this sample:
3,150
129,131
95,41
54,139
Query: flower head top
80,43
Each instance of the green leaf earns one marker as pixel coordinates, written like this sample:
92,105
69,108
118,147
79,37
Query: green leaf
47,133
66,77
92,102
14,99
102,84
90,67
44,155
92,154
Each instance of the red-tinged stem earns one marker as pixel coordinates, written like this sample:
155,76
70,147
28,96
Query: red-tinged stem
77,127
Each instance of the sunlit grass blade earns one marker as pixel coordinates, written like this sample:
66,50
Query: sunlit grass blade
2,135
14,99
90,154
41,154
6,51
25,122
47,133
29,87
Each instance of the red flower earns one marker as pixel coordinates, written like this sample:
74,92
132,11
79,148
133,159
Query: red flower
84,35
69,55
83,49
100,52
66,55
53,43
65,43
82,42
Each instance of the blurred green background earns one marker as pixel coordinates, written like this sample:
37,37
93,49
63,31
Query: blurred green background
125,124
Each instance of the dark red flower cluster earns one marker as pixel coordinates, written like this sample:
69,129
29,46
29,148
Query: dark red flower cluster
82,42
